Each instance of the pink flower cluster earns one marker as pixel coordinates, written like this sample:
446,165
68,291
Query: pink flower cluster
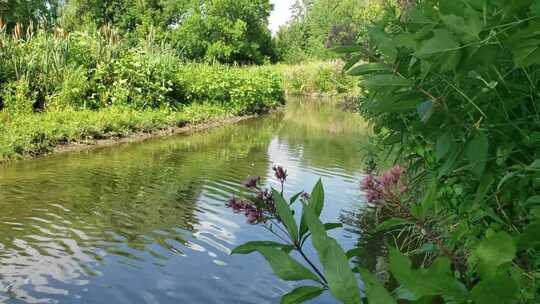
253,214
386,187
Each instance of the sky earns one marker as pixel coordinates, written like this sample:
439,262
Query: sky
281,13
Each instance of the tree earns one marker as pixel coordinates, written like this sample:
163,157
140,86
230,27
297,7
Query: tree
26,11
314,20
227,31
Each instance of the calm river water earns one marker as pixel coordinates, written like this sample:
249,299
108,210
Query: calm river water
146,222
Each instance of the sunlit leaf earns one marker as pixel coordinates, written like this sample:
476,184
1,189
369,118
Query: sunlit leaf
375,291
341,280
302,294
255,245
285,213
285,267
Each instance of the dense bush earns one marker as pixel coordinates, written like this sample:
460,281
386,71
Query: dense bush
454,85
315,77
247,89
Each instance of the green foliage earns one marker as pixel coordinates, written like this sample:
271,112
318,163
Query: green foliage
226,31
28,11
17,97
455,86
315,77
316,25
53,72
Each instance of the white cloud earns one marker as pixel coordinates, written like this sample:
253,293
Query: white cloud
281,13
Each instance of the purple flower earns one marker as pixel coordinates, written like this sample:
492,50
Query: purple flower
280,173
386,187
304,197
252,182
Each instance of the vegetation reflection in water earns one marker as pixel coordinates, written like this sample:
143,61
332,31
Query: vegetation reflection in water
146,222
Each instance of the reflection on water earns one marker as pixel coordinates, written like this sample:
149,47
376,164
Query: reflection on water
146,223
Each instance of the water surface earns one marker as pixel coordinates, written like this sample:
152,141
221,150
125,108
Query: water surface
146,222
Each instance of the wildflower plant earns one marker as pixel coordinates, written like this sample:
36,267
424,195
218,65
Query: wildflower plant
268,207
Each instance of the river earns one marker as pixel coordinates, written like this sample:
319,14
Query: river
146,222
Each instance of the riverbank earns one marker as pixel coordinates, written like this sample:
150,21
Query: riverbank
34,135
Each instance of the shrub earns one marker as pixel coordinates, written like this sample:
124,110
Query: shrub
17,97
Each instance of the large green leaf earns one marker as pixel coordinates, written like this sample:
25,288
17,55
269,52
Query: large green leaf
286,215
255,245
435,281
302,294
495,251
367,68
443,41
469,24
285,267
316,201
375,291
382,81
500,289
392,223
341,280
444,144
384,44
394,103
477,153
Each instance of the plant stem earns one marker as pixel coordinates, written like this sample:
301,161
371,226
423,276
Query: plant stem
299,249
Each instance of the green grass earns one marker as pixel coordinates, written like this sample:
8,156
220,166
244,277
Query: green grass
36,134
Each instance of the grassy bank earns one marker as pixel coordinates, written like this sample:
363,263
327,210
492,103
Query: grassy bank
37,134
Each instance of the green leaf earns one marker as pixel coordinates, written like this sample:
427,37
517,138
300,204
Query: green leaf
450,163
285,267
530,237
316,198
382,81
302,294
384,44
316,201
533,200
500,289
366,68
392,223
285,214
535,8
527,53
295,197
255,245
353,253
471,25
351,62
394,103
375,291
443,146
341,280
332,226
435,281
477,153
442,42
425,110
495,251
